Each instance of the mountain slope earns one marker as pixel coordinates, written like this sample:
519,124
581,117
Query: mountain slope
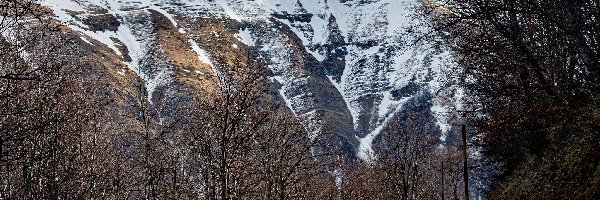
339,65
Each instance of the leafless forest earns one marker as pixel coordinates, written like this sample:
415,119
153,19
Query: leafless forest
530,70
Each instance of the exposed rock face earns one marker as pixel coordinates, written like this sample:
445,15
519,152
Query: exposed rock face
102,22
344,66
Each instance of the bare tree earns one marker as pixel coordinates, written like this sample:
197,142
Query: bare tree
408,165
530,72
287,160
224,129
38,80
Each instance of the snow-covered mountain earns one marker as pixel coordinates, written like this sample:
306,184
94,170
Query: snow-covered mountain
345,66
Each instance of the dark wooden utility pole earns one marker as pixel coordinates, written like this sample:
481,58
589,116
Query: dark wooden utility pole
442,180
465,168
174,164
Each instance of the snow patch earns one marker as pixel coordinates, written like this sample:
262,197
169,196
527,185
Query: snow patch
282,91
312,124
228,11
245,37
161,78
440,112
134,46
202,55
85,40
365,149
